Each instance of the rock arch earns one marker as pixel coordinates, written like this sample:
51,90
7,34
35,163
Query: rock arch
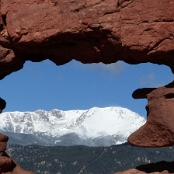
92,31
134,31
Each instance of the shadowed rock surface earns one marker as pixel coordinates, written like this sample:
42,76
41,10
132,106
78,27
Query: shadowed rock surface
2,104
161,167
7,165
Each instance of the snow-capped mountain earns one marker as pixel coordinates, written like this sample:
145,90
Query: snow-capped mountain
93,127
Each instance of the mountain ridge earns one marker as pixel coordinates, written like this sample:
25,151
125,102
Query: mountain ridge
110,125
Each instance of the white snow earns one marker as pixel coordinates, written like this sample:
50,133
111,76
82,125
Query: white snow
92,123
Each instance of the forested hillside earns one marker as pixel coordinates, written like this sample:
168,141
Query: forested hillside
86,160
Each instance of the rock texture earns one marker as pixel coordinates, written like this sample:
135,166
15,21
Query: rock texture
7,165
134,31
158,131
92,31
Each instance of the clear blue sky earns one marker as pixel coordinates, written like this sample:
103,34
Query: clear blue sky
44,85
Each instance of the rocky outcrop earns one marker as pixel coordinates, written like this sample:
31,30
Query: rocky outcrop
134,31
7,165
158,131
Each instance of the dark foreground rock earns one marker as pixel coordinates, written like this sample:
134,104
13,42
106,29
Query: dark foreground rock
7,165
155,168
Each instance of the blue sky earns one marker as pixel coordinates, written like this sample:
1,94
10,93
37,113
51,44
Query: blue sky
44,85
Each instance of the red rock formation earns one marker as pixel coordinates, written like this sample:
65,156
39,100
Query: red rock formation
7,165
158,131
135,31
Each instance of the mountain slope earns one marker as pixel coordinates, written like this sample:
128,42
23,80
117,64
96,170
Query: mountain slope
93,127
91,160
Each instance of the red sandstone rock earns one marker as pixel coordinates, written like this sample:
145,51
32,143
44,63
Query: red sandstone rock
7,165
135,31
158,131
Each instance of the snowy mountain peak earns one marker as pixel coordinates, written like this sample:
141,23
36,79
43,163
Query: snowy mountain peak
93,125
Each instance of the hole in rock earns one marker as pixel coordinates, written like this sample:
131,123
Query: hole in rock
169,96
77,86
80,86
